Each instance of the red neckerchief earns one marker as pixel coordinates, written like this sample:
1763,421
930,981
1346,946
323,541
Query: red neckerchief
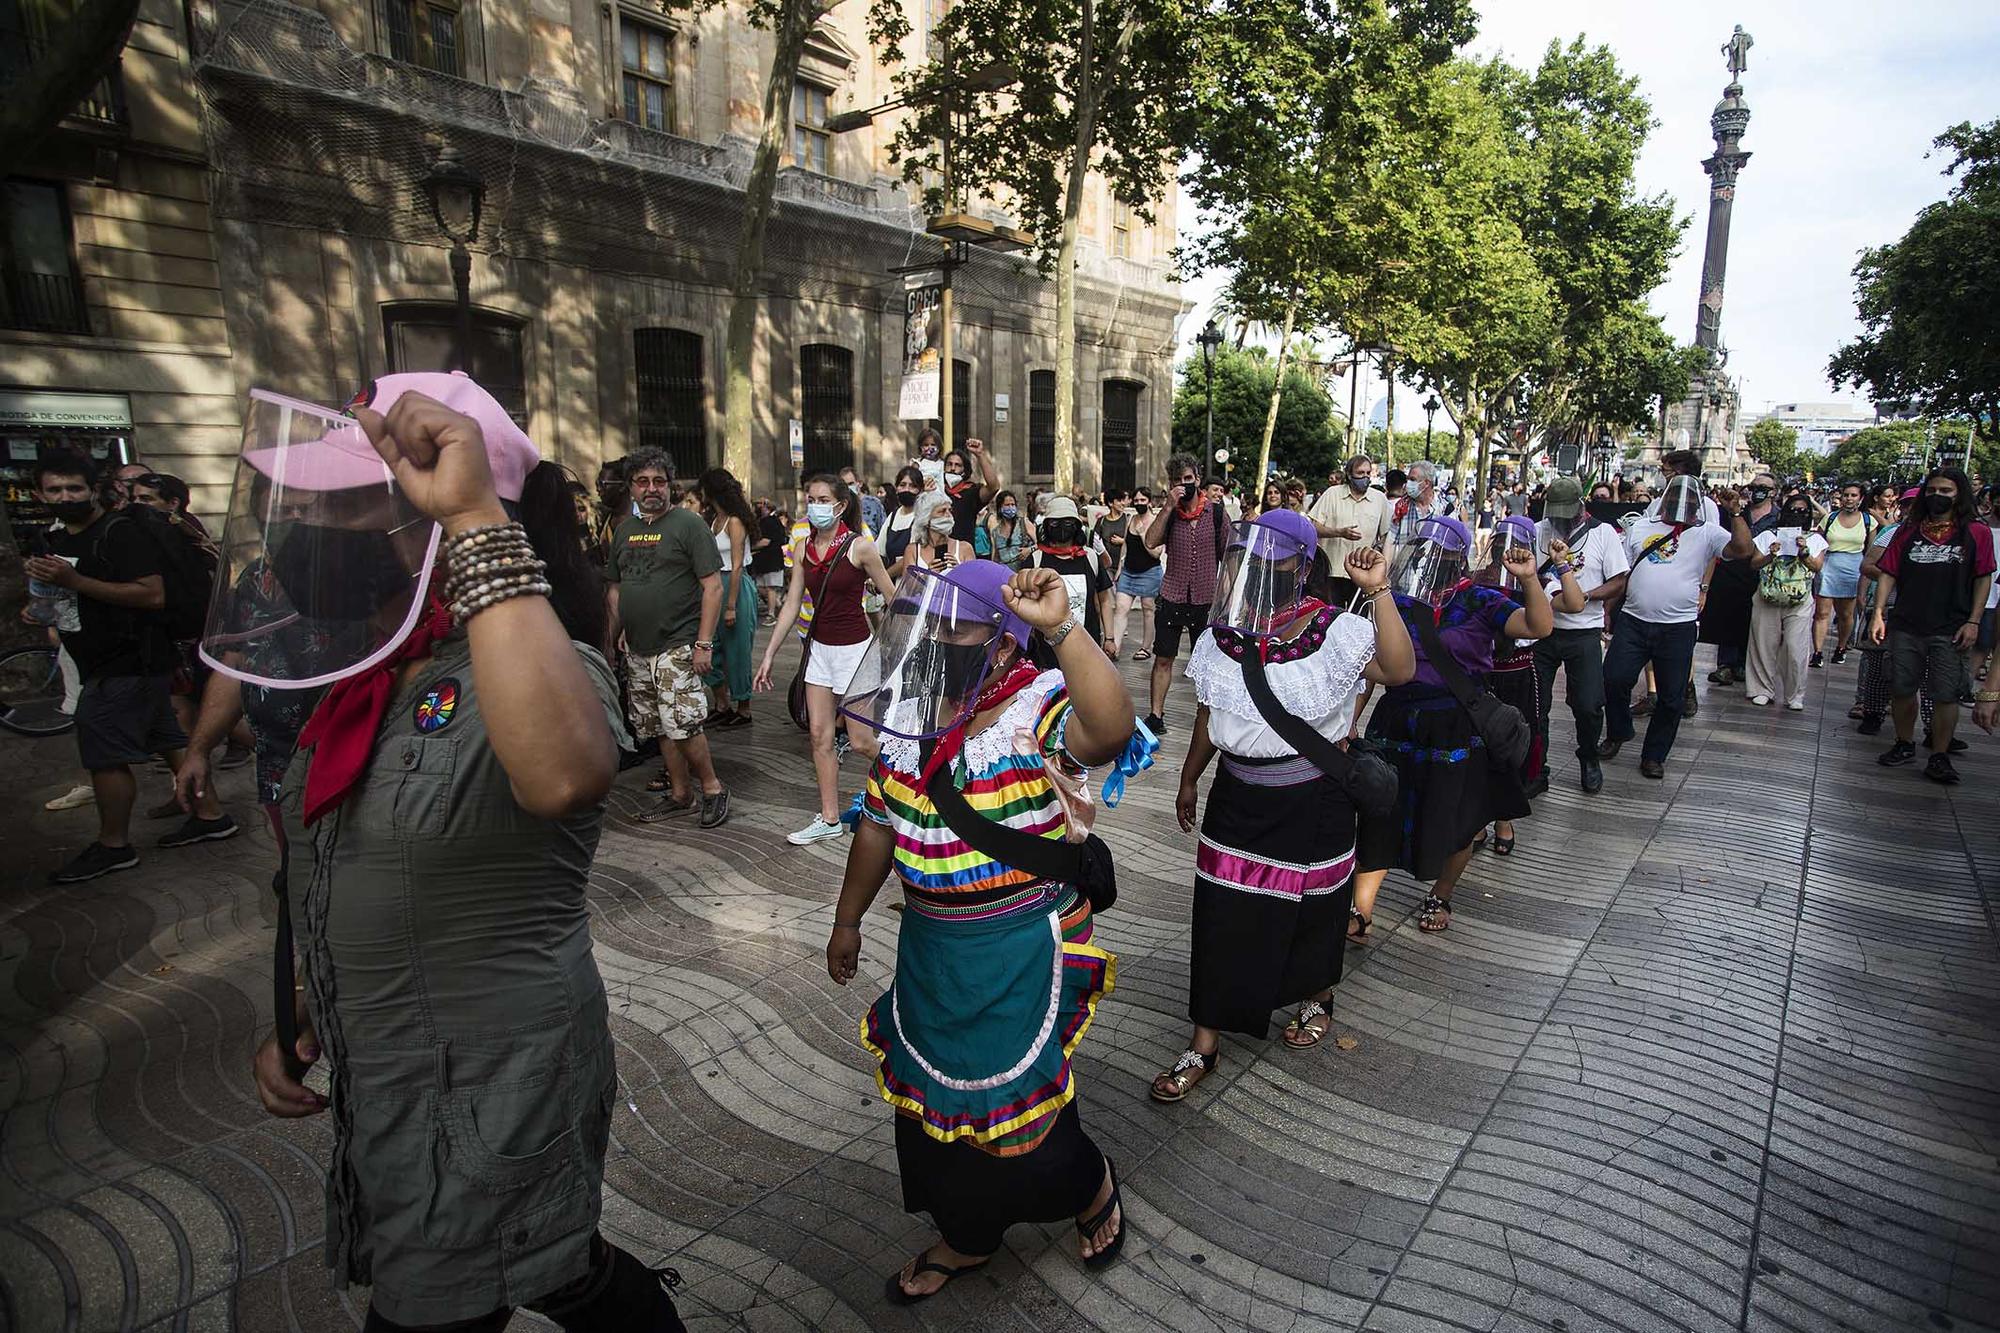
1060,552
837,531
343,726
1938,531
1019,677
955,491
1200,503
1438,609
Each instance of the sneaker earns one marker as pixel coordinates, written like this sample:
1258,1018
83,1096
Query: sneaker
1816,661
1795,706
714,809
1761,700
668,808
817,831
1902,752
79,795
196,829
1839,656
1722,676
1958,745
1156,724
233,756
95,860
1939,769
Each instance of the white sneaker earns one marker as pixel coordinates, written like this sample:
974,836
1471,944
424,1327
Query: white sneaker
79,795
817,831
1761,700
1795,706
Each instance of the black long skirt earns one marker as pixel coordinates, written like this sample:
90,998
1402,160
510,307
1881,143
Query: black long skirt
1725,615
1447,792
974,1196
1274,878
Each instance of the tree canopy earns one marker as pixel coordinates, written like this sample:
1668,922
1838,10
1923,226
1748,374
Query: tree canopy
1307,439
1876,453
1930,302
1776,446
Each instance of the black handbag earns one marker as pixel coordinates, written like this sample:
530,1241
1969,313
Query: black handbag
1367,778
1502,726
1086,864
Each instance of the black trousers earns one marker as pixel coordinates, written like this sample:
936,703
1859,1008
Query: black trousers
1669,649
618,1295
1580,653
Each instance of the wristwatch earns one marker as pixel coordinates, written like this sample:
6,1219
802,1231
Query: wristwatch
1055,636
704,645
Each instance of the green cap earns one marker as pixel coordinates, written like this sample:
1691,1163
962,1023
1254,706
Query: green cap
1563,498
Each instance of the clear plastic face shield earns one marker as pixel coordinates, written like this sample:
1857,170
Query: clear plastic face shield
1258,587
320,548
1681,501
1511,534
1430,568
927,664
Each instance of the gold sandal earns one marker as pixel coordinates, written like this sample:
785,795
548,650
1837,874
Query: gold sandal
1189,1070
1301,1026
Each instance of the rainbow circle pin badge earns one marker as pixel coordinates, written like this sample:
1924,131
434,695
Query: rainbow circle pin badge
433,712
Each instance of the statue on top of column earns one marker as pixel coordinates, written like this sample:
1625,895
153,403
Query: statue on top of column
1738,51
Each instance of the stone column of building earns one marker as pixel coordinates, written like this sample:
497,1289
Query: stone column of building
1728,121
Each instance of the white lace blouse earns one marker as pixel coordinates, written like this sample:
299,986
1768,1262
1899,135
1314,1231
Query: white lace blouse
1314,676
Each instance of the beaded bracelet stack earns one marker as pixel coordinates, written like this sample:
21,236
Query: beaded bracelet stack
486,566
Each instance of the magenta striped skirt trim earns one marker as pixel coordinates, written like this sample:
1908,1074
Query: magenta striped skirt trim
1233,869
1291,772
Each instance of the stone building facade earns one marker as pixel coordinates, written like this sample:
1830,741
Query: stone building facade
268,227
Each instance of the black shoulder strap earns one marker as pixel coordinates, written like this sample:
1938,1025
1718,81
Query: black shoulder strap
1045,858
1447,666
1324,755
1655,545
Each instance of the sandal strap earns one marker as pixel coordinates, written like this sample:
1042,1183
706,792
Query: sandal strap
1310,1010
1089,1226
1432,905
1192,1059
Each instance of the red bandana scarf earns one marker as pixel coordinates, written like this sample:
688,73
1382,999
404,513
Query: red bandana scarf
343,726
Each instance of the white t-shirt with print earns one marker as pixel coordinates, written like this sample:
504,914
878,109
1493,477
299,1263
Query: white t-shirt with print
1665,587
1601,559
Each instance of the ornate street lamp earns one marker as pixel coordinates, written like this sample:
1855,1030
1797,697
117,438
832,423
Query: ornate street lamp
455,192
1208,340
1431,406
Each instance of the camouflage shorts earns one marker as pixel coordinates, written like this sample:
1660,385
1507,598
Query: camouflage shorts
668,698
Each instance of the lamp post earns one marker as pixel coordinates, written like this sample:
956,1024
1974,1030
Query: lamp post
1209,339
1431,406
455,192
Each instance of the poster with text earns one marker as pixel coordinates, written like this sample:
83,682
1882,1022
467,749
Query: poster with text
923,351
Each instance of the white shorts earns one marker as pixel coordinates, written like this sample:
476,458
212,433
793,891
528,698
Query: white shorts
834,664
774,579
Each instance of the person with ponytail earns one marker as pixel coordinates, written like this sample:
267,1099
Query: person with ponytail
832,564
443,811
735,527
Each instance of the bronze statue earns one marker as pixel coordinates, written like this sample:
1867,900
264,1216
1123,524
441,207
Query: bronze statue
1738,51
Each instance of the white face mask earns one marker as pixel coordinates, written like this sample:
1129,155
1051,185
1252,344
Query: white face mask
820,515
953,478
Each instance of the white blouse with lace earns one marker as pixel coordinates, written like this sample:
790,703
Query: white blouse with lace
1314,676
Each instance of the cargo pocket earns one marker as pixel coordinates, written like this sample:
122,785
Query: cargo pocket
506,1137
424,792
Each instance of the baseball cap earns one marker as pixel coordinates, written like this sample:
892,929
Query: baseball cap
1563,498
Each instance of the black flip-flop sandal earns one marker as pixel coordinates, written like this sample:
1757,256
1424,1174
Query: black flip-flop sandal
1503,846
897,1296
1088,1227
1353,918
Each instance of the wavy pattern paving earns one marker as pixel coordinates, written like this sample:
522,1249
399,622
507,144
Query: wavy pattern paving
1714,1053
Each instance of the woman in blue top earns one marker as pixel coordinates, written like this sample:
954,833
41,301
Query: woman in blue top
1448,790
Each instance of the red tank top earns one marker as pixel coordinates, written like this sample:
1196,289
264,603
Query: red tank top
837,617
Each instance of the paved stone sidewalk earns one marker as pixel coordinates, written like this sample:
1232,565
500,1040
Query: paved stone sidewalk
1713,1053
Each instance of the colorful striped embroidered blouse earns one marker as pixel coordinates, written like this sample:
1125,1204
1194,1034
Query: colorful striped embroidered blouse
1004,776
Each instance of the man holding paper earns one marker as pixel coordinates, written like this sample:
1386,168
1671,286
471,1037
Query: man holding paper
1781,613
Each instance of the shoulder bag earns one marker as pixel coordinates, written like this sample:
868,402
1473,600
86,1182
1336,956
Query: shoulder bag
1086,865
795,697
1366,778
1502,726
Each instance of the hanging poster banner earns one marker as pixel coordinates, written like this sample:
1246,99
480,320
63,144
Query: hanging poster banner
923,347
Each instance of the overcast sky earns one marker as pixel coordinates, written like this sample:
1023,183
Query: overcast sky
1844,97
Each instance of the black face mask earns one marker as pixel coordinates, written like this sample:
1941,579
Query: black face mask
955,670
1759,494
1939,505
904,499
1062,532
71,511
1796,518
337,573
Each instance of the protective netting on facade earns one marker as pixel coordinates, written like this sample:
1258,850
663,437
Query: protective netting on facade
305,131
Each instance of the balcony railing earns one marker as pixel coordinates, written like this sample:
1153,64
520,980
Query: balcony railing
42,302
103,105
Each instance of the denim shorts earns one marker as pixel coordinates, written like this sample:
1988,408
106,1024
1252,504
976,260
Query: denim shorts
1142,585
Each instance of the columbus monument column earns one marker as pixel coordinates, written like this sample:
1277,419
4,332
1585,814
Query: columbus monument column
1730,118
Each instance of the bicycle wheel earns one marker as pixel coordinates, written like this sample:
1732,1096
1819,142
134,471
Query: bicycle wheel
31,693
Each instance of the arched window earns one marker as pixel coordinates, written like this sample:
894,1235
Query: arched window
422,335
673,404
826,406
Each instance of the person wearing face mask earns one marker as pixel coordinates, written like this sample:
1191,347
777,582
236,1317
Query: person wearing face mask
1275,860
1670,556
1849,532
109,584
968,494
1596,558
1193,533
1448,789
833,565
1139,576
1085,573
1787,557
1935,574
1351,514
1010,533
976,734
1732,588
892,539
